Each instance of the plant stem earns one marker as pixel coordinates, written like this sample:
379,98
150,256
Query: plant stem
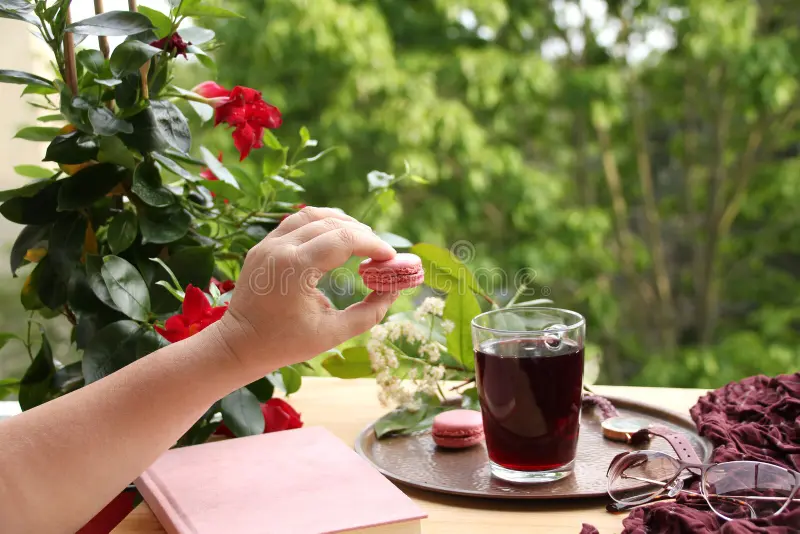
28,342
522,288
70,69
102,40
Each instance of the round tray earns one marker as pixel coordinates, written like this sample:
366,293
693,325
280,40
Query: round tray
415,460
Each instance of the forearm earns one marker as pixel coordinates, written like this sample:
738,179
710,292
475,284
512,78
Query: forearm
59,460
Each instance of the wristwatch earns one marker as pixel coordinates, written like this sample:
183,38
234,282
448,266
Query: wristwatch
635,430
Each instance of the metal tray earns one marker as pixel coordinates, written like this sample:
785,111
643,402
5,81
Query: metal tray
415,460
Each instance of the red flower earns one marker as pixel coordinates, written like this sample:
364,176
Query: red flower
246,111
174,44
211,89
224,287
197,314
279,415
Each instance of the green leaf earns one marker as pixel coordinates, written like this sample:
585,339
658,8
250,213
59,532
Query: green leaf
353,362
418,179
112,23
222,189
126,287
461,307
122,231
271,141
204,59
262,389
50,118
105,122
174,167
66,241
194,8
37,208
34,171
28,190
218,168
274,160
469,399
113,150
395,240
148,187
72,148
5,337
241,413
35,385
110,82
129,56
38,90
94,265
189,265
23,78
126,93
149,341
92,60
444,271
88,185
283,183
163,225
292,380
196,35
160,21
397,421
30,237
159,126
67,379
37,133
112,348
305,136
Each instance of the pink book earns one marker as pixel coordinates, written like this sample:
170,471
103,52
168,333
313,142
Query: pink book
303,481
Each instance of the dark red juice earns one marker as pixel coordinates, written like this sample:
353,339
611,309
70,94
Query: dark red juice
530,396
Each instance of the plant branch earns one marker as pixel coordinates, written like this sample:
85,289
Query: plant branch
653,220
102,39
620,211
143,70
70,68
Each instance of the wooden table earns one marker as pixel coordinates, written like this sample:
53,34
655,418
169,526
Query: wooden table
345,407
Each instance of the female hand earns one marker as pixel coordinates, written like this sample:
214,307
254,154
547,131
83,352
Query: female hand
277,316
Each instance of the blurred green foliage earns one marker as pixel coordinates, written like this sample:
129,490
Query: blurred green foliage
640,157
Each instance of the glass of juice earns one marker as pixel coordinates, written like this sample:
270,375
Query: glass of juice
529,371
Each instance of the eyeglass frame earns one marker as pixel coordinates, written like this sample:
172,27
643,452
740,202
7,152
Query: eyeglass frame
697,469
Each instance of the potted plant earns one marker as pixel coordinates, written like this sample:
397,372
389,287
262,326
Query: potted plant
130,232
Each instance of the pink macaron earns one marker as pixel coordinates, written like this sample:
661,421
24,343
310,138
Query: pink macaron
457,429
401,272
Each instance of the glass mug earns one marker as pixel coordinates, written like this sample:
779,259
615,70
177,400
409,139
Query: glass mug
529,372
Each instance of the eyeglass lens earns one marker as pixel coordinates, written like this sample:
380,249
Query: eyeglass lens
747,489
640,476
733,489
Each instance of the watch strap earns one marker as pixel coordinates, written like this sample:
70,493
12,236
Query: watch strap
678,441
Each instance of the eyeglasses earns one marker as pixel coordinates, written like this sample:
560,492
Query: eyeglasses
733,490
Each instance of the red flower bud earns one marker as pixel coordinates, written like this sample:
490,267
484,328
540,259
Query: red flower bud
174,44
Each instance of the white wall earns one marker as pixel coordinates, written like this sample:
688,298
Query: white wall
18,54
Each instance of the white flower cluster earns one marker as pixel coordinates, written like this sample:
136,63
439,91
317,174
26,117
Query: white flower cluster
430,306
423,372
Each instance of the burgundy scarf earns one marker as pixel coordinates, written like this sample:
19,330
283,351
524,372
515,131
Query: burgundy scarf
757,418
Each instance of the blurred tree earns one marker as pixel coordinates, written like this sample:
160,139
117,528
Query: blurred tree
640,156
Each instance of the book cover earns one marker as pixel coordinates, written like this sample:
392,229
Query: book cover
303,481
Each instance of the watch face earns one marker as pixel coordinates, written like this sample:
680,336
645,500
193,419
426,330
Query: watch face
626,424
621,428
